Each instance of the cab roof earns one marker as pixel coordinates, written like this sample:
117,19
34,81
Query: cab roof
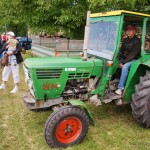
117,13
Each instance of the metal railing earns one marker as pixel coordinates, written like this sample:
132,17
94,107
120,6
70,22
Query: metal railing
40,51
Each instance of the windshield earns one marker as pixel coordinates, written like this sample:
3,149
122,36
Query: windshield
102,39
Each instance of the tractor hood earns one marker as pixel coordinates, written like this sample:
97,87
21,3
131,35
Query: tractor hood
72,64
54,62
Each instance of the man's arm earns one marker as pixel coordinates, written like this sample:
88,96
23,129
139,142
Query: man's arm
121,51
120,55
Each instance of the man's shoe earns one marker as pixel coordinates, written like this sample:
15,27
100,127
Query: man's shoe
118,92
15,89
2,87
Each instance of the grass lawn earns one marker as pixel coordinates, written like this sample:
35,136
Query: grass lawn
22,129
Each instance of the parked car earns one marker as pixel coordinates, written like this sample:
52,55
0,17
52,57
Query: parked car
25,42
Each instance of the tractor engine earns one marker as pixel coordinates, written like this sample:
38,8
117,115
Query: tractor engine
76,89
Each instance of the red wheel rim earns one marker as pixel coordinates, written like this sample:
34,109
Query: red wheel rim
68,130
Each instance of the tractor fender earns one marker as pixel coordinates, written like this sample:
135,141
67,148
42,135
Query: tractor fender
137,70
81,104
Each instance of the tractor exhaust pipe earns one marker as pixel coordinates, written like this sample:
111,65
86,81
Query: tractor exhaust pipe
86,36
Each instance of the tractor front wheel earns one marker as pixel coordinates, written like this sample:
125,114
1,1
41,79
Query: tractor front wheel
67,126
141,101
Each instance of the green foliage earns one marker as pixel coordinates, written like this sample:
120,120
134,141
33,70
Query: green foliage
52,16
10,14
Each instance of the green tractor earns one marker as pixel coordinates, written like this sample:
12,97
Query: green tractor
65,83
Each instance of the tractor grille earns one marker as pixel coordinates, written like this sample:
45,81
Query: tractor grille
48,73
78,75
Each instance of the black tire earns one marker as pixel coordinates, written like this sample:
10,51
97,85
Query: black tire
66,127
141,101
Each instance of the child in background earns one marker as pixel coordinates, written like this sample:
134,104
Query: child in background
12,42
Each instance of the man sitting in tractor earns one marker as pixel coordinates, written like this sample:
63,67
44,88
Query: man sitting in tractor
130,51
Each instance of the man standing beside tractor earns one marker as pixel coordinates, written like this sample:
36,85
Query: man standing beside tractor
129,52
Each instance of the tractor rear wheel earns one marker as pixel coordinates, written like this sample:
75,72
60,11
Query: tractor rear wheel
141,101
67,126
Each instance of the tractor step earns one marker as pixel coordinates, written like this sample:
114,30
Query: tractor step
111,97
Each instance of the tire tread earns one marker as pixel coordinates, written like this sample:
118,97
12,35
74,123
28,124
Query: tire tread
140,101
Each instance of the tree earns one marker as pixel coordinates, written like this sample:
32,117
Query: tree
51,16
10,16
66,15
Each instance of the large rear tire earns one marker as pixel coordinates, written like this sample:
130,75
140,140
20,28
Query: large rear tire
66,127
141,101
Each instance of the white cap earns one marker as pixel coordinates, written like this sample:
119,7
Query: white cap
11,33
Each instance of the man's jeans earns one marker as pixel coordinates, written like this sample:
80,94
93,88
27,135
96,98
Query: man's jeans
124,74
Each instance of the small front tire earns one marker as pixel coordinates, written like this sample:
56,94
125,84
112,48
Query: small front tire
66,127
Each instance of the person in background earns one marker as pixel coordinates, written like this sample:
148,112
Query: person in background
1,44
15,58
129,52
4,38
1,50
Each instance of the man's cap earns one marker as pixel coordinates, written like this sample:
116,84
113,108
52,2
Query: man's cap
11,33
131,27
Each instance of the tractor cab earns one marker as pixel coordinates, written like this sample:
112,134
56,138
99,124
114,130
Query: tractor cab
105,34
108,29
